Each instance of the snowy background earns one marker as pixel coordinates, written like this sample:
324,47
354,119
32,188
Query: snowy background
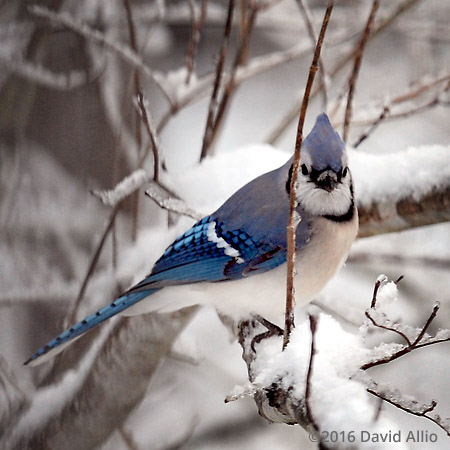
58,144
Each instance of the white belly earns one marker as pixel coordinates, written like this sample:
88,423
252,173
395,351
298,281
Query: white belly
265,293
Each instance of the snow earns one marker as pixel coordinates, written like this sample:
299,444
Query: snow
337,402
226,173
50,400
124,188
182,391
416,171
387,294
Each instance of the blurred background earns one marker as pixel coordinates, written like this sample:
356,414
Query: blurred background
69,124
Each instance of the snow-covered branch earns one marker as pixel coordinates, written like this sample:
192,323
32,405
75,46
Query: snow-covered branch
107,384
123,189
290,386
403,190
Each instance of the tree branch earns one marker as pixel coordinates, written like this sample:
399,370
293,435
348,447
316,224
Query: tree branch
294,219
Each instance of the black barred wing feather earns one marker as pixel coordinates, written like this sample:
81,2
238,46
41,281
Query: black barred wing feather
210,252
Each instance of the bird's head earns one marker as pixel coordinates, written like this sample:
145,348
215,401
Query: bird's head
324,180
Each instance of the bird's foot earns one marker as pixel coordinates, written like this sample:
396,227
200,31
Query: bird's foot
272,330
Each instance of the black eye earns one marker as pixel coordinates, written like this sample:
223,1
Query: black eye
344,172
304,170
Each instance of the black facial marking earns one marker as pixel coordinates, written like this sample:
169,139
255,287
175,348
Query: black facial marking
347,216
288,182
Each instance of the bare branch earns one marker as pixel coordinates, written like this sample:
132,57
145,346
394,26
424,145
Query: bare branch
145,115
207,138
307,17
293,220
420,340
313,327
195,35
411,406
93,263
123,189
277,132
231,83
356,66
48,78
126,53
137,121
166,201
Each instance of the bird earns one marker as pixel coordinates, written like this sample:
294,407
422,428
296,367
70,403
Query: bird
235,258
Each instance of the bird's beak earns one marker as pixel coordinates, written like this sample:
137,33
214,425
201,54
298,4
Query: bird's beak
327,180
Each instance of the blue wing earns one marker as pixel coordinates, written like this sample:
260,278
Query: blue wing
210,252
206,252
246,236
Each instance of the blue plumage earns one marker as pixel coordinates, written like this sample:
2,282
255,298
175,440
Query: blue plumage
246,236
191,258
92,321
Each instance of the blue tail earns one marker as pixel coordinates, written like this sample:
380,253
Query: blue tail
118,305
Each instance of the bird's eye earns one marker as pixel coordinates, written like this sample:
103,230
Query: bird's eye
344,172
304,170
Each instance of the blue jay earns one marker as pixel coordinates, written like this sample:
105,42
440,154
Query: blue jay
235,258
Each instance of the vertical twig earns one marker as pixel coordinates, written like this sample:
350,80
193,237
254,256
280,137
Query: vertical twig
312,327
195,36
137,89
356,67
231,84
278,131
306,13
152,135
93,263
293,220
217,81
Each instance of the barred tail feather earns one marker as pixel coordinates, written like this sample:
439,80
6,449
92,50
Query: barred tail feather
67,337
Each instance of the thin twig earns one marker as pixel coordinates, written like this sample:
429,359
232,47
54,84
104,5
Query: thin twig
387,114
207,138
257,65
84,30
368,131
410,411
137,121
313,327
39,74
93,263
231,84
195,35
427,324
381,280
307,17
278,131
293,220
416,344
144,113
356,66
166,200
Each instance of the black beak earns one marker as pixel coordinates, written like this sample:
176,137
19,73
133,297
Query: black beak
327,180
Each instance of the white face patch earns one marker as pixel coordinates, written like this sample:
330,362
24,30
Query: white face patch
318,201
222,243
